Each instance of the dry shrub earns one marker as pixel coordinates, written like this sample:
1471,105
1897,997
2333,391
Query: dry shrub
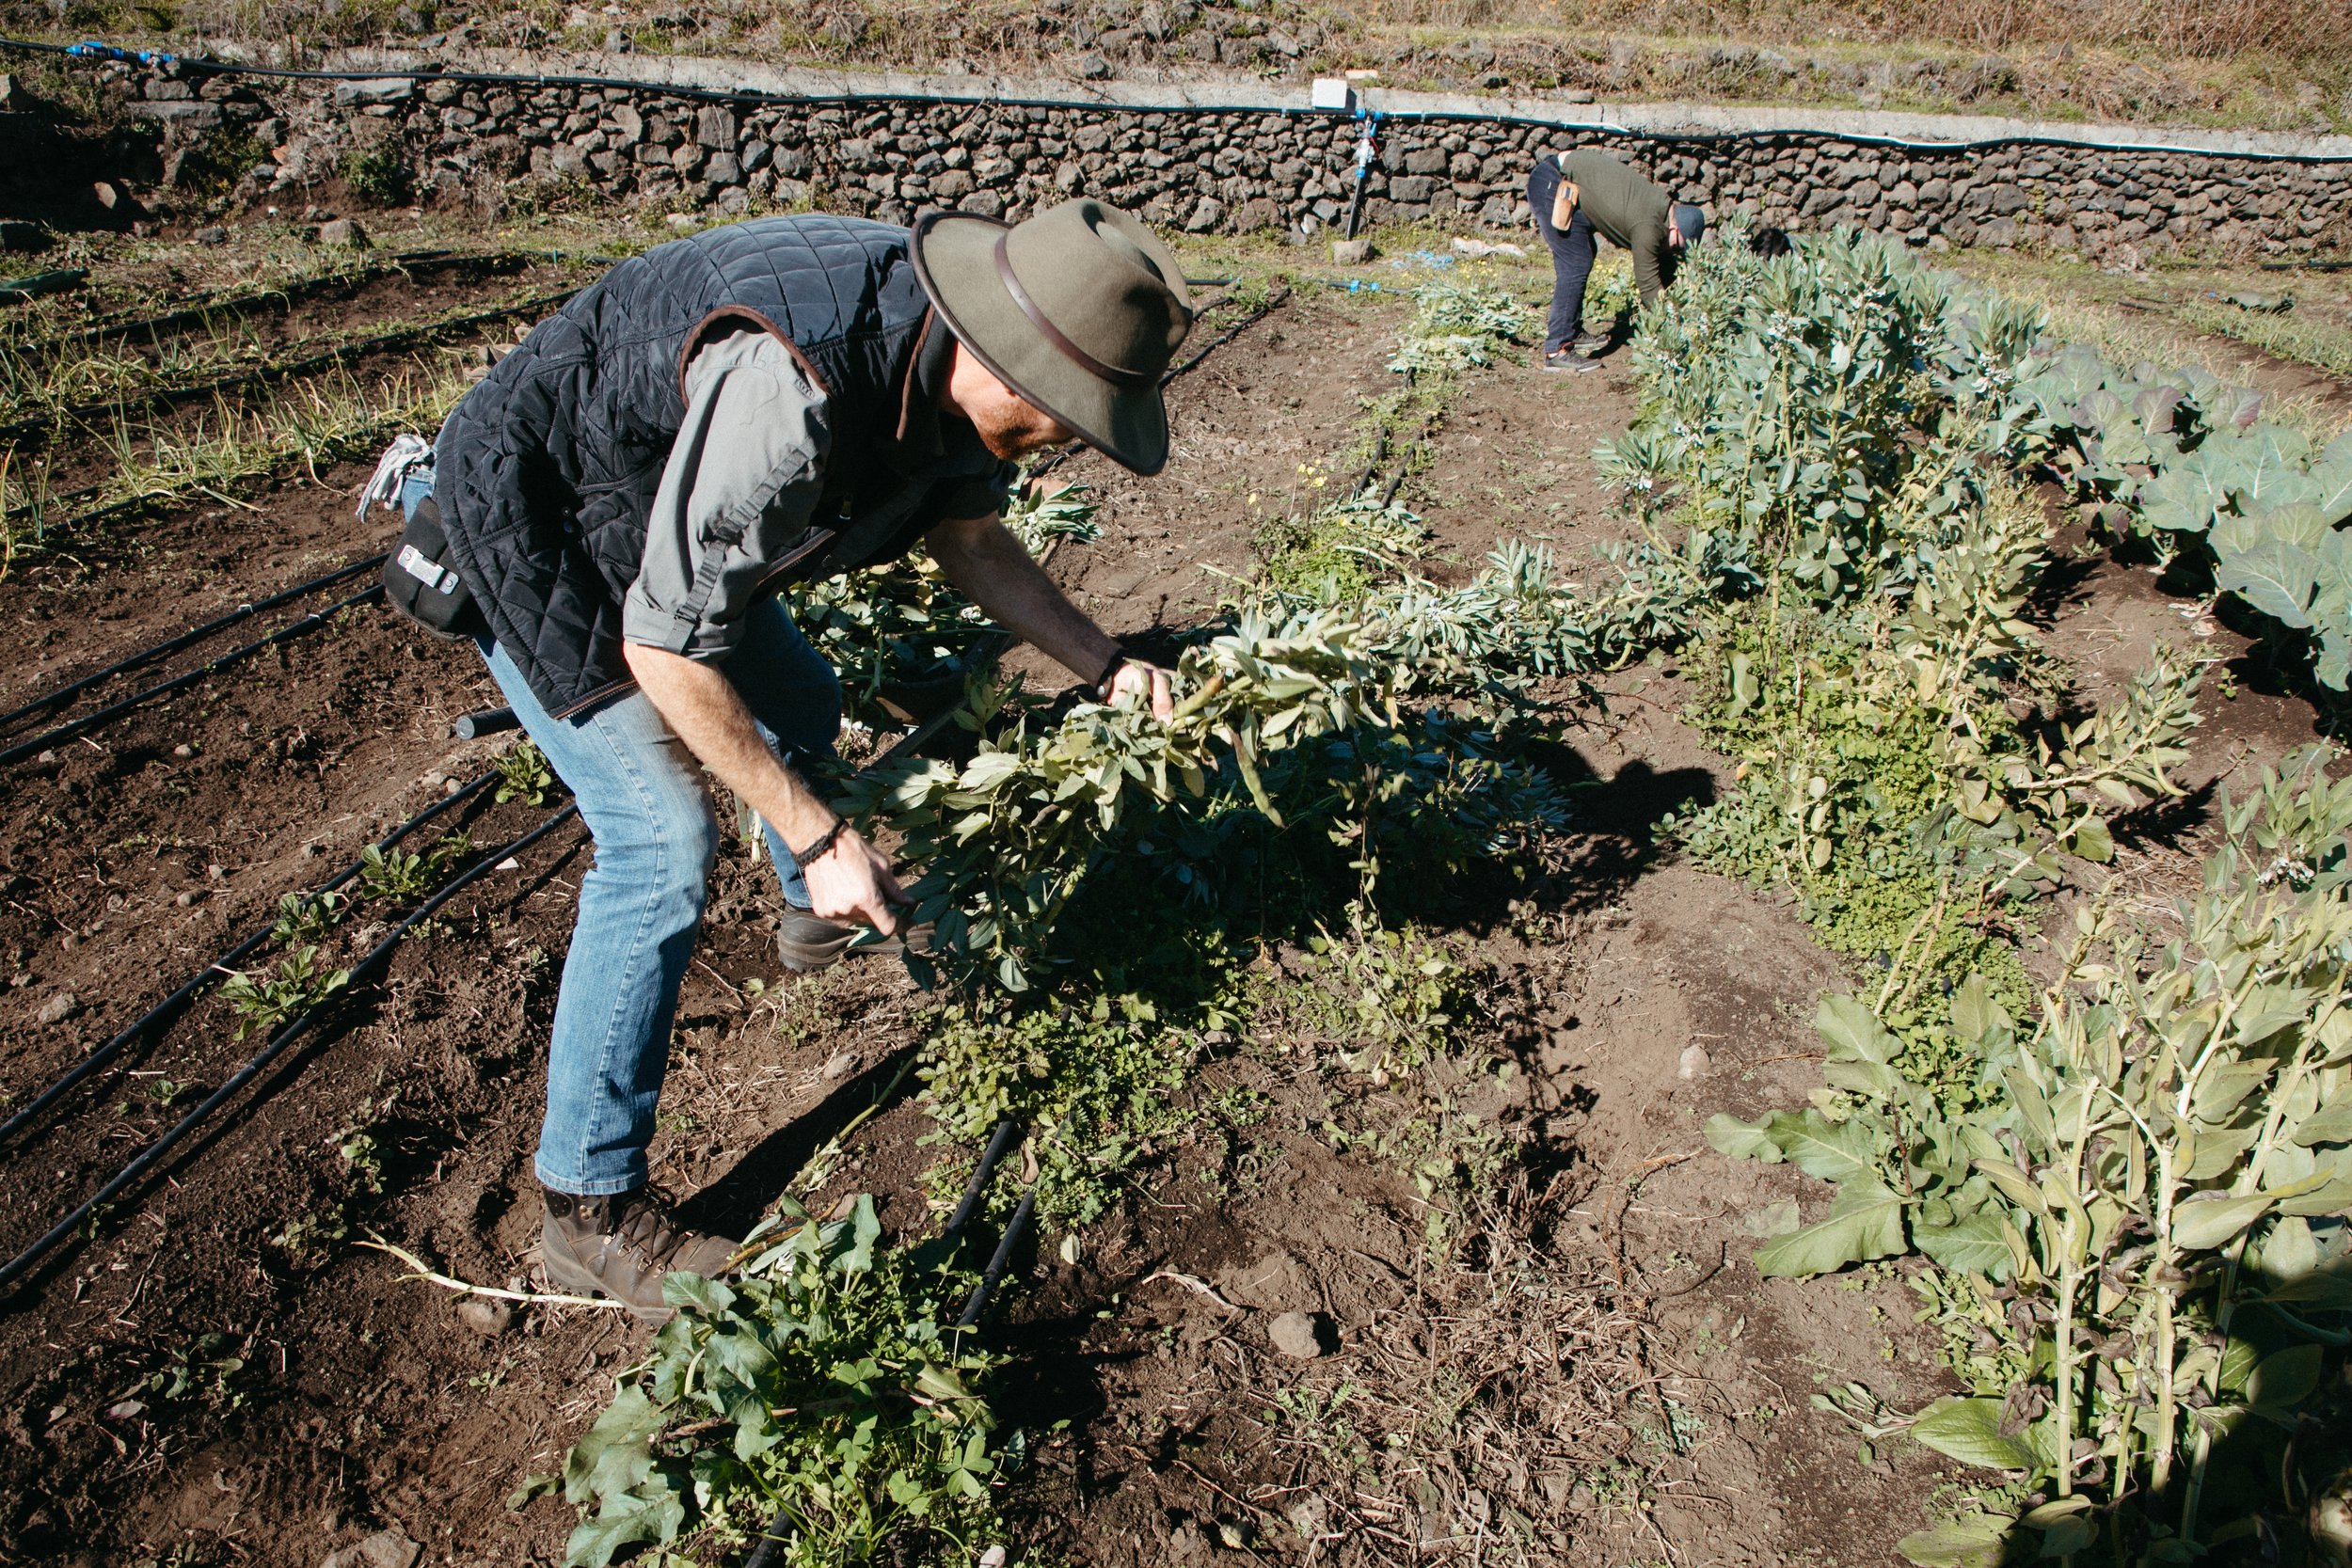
2313,31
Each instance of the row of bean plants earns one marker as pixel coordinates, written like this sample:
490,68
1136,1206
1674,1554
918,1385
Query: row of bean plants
2125,1185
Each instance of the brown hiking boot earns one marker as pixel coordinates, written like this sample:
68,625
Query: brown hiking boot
621,1247
806,942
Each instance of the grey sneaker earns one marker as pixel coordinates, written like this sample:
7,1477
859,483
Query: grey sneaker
1590,344
621,1247
806,942
1568,359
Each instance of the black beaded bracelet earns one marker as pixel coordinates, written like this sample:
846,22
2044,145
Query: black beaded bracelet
1110,674
814,852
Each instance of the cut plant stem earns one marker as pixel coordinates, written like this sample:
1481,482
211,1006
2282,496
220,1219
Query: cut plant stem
421,1270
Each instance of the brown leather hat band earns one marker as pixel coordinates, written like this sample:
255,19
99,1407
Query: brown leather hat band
1069,350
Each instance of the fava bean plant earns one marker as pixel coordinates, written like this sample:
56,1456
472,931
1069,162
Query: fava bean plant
2151,1169
905,624
2129,1176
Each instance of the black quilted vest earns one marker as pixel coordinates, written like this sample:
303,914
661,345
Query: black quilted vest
546,472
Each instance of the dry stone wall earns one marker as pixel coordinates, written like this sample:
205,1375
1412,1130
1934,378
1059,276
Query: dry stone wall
1219,171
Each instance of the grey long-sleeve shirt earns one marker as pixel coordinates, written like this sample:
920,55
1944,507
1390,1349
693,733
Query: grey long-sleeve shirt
747,472
1628,209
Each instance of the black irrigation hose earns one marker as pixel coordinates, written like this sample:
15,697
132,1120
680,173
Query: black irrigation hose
227,304
1000,1260
1288,111
309,623
482,721
147,1158
171,1006
998,1142
36,429
173,644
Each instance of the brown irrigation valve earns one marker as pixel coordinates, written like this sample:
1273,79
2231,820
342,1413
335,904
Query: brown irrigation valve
490,721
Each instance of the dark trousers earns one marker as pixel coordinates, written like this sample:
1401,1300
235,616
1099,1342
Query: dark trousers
1571,255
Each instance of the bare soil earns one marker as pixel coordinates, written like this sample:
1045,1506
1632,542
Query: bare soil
1597,1368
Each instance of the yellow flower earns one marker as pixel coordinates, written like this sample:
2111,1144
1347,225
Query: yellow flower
1253,497
1318,482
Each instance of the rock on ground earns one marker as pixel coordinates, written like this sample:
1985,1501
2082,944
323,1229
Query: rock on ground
1297,1336
386,1548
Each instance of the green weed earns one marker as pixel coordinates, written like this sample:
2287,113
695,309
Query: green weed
1337,550
1316,1419
1390,999
203,1372
355,1175
378,175
400,874
523,774
307,918
298,985
823,1387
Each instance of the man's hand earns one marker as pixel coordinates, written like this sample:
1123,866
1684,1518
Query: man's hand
852,881
984,561
849,882
1135,680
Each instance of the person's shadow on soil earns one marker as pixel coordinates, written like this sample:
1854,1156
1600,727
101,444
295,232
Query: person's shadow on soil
2167,822
2065,584
743,1195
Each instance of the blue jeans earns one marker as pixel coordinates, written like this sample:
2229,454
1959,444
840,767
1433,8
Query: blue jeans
1572,251
641,794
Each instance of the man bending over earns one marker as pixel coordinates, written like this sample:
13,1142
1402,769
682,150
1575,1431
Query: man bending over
1578,194
623,497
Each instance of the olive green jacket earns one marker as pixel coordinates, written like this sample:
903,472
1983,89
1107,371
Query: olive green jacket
1630,211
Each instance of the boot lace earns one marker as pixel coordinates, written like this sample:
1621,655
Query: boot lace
648,1230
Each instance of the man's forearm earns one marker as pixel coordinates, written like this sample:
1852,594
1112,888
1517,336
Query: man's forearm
1649,247
704,711
989,566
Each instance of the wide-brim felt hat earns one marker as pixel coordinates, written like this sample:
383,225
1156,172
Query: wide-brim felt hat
1078,309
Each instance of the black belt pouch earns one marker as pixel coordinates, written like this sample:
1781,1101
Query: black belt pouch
423,586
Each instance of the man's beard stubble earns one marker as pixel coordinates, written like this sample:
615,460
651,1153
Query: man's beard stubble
1018,433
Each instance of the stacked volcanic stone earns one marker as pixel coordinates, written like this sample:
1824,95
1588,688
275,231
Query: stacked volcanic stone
1236,171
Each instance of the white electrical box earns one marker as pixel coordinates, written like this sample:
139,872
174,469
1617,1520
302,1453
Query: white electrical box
1331,92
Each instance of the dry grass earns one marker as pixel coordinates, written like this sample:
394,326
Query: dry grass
2306,337
2307,35
2175,29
